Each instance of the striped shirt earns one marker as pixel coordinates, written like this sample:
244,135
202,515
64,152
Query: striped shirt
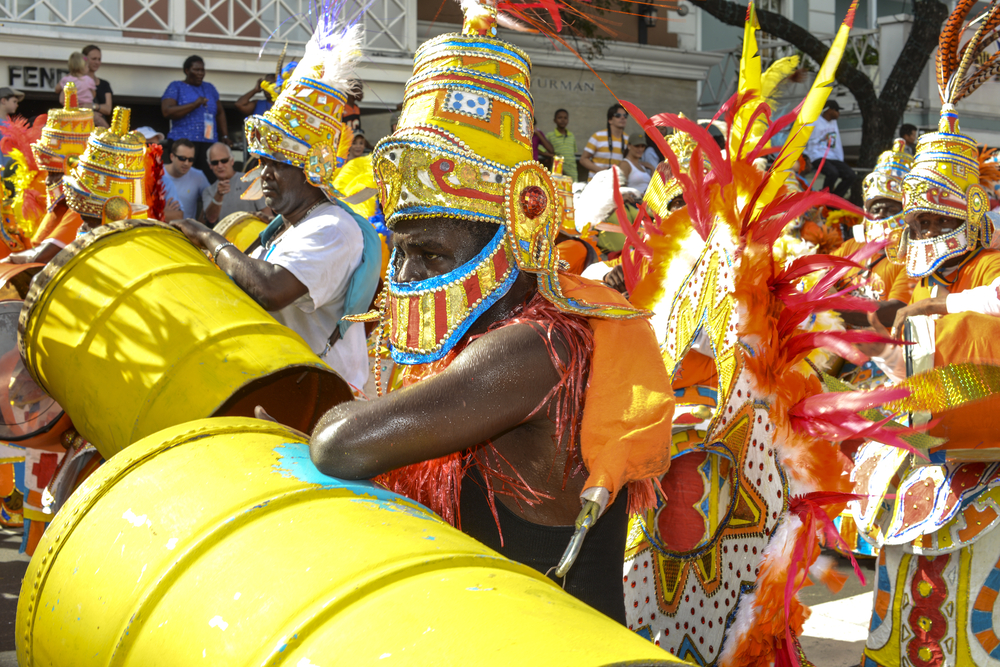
603,155
565,145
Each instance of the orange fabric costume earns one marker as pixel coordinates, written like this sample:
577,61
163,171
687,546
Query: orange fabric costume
61,224
889,281
967,337
625,429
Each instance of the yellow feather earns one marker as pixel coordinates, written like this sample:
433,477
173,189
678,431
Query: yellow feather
749,81
775,74
812,107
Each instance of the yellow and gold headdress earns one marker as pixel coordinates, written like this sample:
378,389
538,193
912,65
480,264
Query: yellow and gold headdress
886,179
304,127
944,178
462,150
111,168
664,189
886,182
65,134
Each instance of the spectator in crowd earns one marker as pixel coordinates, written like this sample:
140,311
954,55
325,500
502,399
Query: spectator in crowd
103,102
358,145
79,74
351,115
909,134
541,150
825,143
564,143
607,147
150,135
652,155
633,171
247,106
223,197
9,99
195,111
182,183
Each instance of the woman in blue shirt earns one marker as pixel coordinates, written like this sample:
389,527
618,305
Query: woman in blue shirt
195,111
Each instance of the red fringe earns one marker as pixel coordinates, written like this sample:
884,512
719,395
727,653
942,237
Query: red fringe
437,483
155,193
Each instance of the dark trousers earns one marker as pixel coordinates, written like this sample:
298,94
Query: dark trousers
839,177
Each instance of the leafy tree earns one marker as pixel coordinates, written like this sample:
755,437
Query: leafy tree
880,113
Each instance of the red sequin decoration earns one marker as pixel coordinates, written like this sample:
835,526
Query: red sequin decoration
533,201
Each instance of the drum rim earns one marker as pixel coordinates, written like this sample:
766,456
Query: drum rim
227,223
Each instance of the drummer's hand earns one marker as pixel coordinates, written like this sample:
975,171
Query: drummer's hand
934,306
23,257
196,232
615,279
874,349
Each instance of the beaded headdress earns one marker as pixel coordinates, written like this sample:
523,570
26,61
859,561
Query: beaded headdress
944,178
112,170
462,151
304,128
886,182
65,134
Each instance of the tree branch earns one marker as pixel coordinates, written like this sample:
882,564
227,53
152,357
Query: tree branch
735,14
928,16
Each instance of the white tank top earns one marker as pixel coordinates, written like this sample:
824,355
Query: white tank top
638,179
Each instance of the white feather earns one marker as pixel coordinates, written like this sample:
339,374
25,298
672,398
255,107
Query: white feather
332,54
597,200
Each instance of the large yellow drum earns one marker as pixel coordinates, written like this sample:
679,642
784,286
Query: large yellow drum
132,329
241,229
217,542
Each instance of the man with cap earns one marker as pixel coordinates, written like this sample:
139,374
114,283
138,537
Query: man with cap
511,423
9,99
63,141
825,145
317,261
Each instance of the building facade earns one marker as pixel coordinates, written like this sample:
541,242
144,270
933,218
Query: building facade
881,28
145,42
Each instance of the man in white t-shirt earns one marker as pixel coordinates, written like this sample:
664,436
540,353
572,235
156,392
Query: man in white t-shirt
824,142
302,270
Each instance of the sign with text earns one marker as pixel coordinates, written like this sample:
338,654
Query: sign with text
564,85
34,77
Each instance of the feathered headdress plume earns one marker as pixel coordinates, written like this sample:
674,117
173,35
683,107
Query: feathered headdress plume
773,422
961,71
25,209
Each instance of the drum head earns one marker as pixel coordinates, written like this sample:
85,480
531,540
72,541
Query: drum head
25,410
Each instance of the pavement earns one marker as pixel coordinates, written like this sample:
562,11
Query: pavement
12,567
833,636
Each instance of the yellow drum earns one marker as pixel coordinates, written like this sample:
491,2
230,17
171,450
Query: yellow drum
217,542
131,329
241,229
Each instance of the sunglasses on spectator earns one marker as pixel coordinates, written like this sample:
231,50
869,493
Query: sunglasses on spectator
621,115
182,159
216,163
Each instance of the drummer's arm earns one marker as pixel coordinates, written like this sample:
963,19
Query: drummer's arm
490,388
273,287
41,254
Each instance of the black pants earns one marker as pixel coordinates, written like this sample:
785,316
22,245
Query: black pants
839,177
595,578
